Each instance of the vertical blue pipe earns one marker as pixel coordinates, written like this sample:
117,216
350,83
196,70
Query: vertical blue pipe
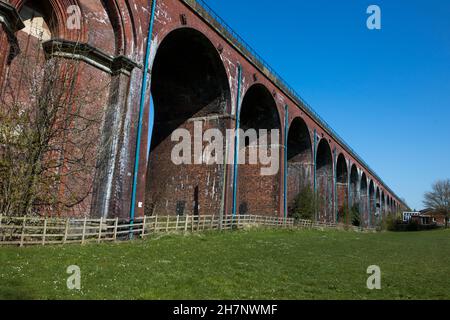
315,174
369,206
315,163
236,140
286,132
141,112
349,175
336,205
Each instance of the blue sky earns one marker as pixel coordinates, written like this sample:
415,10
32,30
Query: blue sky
386,92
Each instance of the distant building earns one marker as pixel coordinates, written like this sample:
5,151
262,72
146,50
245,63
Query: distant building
438,217
421,218
407,216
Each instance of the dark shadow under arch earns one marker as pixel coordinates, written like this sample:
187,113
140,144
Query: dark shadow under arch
372,203
189,87
258,194
342,189
354,187
364,200
324,181
299,159
377,205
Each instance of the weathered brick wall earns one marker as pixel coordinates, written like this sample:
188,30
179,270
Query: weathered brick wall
119,27
300,176
109,28
186,188
342,197
258,194
299,159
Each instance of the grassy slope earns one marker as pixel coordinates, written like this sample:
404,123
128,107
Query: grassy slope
260,264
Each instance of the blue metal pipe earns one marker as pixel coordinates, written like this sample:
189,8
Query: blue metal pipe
286,132
315,173
315,162
349,172
236,140
369,205
336,205
141,112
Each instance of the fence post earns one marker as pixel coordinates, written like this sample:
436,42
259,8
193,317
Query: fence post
176,226
156,222
116,223
143,226
100,230
23,231
45,232
84,231
1,217
66,230
212,221
186,223
167,224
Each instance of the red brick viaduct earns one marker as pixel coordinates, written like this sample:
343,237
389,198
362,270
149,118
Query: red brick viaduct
193,76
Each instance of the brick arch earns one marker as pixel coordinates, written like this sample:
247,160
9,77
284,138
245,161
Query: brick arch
258,193
28,49
354,186
341,168
189,87
324,180
342,185
372,203
86,77
299,159
377,213
364,196
163,31
124,26
388,203
270,98
57,12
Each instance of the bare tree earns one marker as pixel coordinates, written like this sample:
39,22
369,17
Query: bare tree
49,137
439,199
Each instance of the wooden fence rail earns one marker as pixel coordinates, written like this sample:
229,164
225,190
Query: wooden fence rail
23,231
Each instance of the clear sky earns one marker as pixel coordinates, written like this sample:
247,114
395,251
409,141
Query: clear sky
386,92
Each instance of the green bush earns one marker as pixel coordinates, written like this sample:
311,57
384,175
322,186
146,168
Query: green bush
304,205
349,216
396,224
355,216
412,226
391,223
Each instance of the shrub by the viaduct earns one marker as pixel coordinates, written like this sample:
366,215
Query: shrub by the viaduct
199,71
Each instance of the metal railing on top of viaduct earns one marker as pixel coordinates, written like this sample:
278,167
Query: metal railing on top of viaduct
241,43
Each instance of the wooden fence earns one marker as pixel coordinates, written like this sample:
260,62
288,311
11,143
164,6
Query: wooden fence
41,231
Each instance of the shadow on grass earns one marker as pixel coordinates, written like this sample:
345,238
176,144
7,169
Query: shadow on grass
14,289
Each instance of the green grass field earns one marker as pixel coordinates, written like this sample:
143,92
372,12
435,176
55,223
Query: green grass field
258,264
